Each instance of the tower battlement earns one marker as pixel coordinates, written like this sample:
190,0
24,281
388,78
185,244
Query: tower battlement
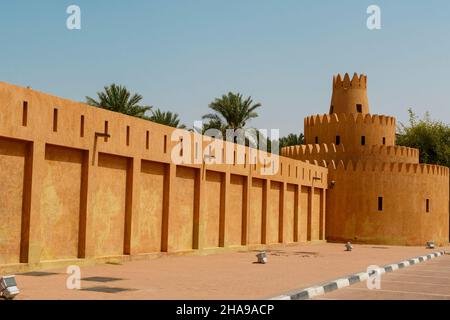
349,95
377,129
393,168
357,81
351,119
380,153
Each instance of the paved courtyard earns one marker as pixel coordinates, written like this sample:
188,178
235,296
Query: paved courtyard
235,275
426,281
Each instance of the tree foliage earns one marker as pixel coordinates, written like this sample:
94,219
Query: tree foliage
119,99
431,137
166,118
231,111
292,140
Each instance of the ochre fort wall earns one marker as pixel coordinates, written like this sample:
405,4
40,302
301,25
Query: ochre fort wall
71,194
352,203
68,195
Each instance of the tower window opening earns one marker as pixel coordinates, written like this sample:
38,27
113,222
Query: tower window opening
128,136
316,140
384,140
331,109
25,113
359,108
363,140
338,140
380,203
82,126
427,205
55,120
165,143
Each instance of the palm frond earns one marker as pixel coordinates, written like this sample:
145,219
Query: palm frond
118,98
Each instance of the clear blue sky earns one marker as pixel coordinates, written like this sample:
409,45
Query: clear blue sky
181,54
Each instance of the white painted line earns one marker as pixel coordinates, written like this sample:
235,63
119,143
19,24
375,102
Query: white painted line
418,275
433,270
407,292
418,283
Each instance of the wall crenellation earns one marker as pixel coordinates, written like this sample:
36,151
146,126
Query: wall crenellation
329,152
320,149
357,81
351,119
394,168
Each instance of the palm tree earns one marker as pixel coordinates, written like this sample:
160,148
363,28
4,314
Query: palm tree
231,111
291,140
166,118
117,98
216,124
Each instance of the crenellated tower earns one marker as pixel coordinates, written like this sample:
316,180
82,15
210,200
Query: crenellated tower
378,192
349,126
349,96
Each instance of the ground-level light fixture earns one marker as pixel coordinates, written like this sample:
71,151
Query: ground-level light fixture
430,245
348,246
262,257
8,287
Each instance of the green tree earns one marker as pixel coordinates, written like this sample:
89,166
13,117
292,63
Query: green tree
117,98
214,124
431,137
231,111
292,140
166,118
